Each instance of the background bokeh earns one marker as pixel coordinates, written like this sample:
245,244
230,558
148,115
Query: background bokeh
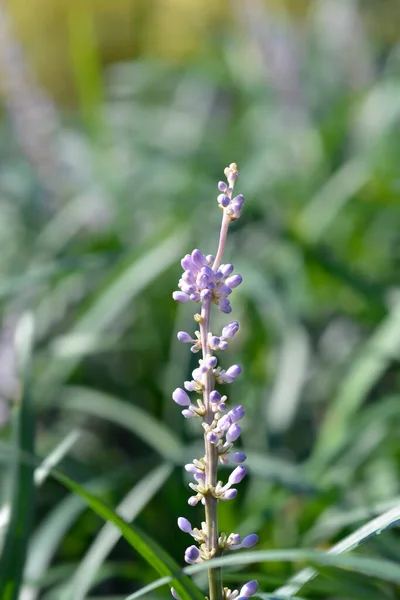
118,118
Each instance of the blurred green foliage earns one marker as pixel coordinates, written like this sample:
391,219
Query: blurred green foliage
99,202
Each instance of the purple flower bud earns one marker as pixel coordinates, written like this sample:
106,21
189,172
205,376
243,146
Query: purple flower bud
238,457
233,372
209,259
226,269
205,295
188,414
190,468
237,475
184,337
212,437
222,406
239,200
234,281
181,297
249,541
229,494
214,342
188,277
187,263
184,525
192,554
203,369
174,594
225,422
236,413
198,258
189,386
223,200
211,362
193,500
222,186
194,297
235,538
215,396
223,345
249,589
225,306
199,476
230,330
233,433
180,397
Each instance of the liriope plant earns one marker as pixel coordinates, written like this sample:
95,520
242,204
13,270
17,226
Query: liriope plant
207,281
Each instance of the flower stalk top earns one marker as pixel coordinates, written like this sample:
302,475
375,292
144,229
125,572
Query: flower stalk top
207,281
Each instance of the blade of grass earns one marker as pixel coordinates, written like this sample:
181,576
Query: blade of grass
372,567
141,542
128,509
14,552
49,534
127,281
142,424
365,370
387,520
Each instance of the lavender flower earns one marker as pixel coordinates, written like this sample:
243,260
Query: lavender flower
206,281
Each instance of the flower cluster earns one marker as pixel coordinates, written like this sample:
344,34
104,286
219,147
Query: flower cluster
205,280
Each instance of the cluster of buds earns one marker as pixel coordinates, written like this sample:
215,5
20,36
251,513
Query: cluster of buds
206,281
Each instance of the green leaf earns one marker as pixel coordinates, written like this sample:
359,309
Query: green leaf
373,567
147,428
128,509
387,520
141,542
13,557
366,369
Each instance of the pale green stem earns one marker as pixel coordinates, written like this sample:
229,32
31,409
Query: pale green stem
214,575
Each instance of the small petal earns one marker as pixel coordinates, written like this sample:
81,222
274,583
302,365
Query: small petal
235,538
194,297
192,554
212,437
184,525
234,281
222,186
190,468
237,475
205,295
238,457
193,500
190,386
229,494
250,540
223,200
181,297
187,263
214,342
249,589
180,397
225,422
223,345
215,396
226,269
234,371
236,413
188,414
230,330
225,306
233,433
211,362
184,337
174,594
198,258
